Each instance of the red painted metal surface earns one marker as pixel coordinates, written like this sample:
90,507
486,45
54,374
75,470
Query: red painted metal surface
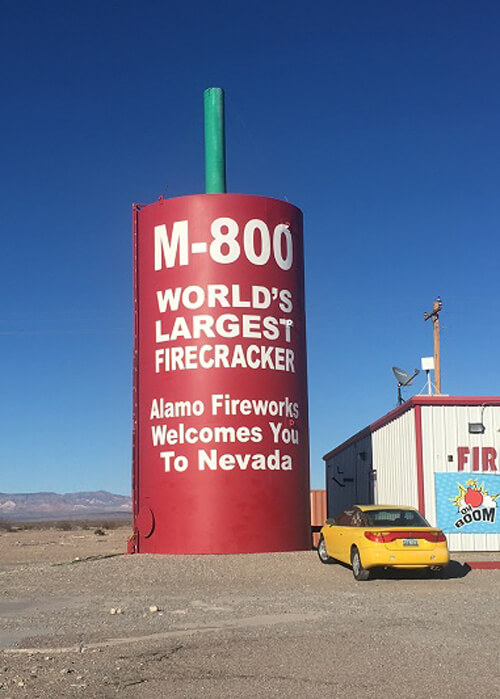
420,460
318,513
220,387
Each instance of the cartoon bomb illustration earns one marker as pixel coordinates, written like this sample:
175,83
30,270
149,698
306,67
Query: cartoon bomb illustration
474,503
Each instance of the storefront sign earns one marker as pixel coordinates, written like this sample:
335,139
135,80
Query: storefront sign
477,458
466,505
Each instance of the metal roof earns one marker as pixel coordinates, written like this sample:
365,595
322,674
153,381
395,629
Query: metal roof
409,405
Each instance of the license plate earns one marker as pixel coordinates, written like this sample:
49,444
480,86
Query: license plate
410,542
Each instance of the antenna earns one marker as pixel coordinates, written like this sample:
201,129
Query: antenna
404,379
434,314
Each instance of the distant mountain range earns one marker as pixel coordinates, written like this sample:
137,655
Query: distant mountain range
40,506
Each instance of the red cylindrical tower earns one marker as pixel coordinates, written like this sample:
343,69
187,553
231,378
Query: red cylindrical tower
221,455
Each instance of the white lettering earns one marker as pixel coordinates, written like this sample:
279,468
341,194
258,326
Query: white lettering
166,250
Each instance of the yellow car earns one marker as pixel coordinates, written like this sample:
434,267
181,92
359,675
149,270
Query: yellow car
370,536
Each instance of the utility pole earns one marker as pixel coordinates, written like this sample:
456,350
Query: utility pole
434,314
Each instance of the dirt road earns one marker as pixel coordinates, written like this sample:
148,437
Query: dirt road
270,625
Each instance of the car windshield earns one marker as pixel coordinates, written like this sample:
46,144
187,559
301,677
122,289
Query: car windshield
394,518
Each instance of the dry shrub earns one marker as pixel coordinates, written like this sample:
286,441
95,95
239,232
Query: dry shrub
66,524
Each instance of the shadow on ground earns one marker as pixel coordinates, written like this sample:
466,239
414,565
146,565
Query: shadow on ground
453,570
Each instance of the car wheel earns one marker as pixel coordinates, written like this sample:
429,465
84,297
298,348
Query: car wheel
323,553
358,571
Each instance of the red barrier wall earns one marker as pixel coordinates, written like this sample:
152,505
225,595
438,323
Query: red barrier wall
220,390
318,513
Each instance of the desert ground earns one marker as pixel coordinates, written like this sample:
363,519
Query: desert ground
80,619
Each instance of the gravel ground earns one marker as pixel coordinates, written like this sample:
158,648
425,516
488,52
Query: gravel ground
267,625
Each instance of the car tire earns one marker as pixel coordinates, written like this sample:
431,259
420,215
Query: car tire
358,571
323,553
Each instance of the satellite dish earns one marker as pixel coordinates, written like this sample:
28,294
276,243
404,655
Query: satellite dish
404,379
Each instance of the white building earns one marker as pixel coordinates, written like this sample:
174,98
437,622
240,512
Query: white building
437,453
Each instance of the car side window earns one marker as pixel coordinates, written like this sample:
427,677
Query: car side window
364,520
357,519
345,519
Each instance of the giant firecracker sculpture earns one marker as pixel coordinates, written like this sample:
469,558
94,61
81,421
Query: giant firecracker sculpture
221,454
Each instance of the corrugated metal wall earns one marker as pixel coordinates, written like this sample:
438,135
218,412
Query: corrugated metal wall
444,429
349,476
395,461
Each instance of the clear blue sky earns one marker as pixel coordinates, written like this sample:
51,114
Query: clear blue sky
379,119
